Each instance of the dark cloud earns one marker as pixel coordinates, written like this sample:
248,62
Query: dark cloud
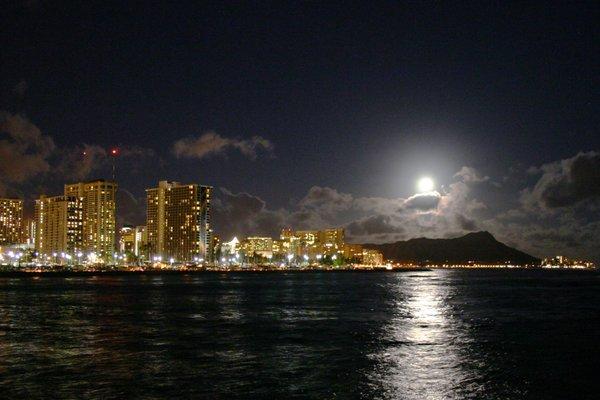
568,182
242,214
374,225
84,161
24,150
546,237
131,210
465,223
79,162
211,143
423,201
31,162
326,200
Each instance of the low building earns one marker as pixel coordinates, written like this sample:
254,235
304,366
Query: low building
230,248
565,262
127,240
257,246
141,242
372,257
353,252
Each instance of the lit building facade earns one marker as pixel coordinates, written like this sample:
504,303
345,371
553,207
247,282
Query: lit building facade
59,224
353,252
310,243
133,240
261,246
178,221
332,241
127,239
11,221
230,248
141,241
98,200
372,257
29,233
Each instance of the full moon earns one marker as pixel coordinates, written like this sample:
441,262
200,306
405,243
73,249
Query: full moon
425,185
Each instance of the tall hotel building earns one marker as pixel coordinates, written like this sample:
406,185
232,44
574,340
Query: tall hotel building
58,222
11,221
98,200
178,221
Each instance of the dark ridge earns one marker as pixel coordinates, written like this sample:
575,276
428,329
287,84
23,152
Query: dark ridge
479,247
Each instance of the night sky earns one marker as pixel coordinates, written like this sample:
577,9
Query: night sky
316,115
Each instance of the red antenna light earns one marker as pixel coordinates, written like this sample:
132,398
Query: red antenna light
114,152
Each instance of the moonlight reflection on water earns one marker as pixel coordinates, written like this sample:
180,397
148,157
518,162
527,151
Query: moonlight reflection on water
423,335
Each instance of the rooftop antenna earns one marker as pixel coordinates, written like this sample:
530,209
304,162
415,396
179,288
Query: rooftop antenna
113,152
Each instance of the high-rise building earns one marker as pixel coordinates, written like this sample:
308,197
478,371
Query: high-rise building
178,221
11,221
59,224
332,240
307,243
99,209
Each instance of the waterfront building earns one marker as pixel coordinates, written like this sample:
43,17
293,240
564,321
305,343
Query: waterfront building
257,246
11,221
59,225
372,257
98,199
565,262
216,247
141,242
231,248
279,248
310,243
29,228
353,252
127,239
178,221
286,234
332,241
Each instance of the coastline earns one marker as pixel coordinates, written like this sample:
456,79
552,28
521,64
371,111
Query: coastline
202,271
64,273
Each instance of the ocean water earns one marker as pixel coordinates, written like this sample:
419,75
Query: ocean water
451,334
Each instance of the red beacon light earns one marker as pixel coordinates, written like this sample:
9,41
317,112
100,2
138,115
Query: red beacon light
114,152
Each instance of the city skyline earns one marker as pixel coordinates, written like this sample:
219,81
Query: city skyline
327,116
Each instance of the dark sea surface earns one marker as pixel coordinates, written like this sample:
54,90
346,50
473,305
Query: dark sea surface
446,334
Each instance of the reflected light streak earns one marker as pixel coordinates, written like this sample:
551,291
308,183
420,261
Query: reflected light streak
428,355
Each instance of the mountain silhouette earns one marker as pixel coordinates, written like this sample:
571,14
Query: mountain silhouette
479,247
